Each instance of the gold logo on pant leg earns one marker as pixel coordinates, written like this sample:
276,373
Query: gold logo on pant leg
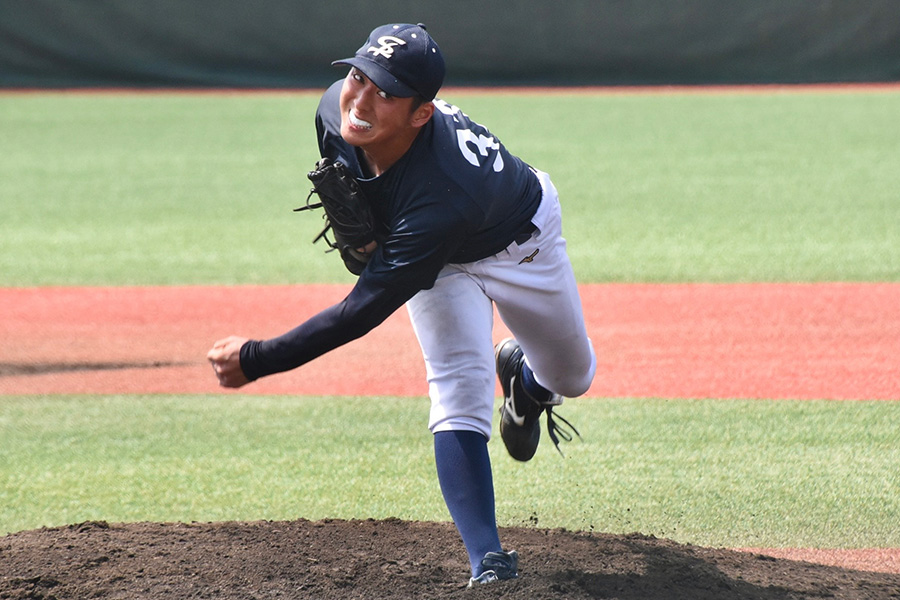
530,257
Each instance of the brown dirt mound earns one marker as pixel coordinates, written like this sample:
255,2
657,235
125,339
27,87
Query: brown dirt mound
394,559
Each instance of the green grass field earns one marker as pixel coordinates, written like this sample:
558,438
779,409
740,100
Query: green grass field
165,189
735,473
159,189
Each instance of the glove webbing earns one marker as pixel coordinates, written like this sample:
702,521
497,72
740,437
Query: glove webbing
322,234
340,214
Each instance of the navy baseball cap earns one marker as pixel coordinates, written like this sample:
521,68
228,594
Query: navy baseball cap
402,60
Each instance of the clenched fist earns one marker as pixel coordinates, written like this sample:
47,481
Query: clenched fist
225,358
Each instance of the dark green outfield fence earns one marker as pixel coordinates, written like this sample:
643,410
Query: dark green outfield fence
290,43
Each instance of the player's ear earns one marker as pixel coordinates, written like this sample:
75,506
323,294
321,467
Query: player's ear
422,114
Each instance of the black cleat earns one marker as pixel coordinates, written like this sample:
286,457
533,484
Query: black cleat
520,413
498,566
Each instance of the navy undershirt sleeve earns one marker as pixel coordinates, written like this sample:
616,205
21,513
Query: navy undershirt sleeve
366,307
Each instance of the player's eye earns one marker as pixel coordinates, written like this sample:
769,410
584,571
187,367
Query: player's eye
384,94
357,76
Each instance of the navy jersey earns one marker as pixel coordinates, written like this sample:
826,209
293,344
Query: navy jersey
456,196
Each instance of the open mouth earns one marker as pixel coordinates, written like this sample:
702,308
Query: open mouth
357,122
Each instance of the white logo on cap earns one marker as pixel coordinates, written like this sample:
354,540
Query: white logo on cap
388,42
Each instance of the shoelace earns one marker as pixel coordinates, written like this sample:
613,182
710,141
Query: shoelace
565,431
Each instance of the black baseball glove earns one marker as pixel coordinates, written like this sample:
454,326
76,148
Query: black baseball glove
347,213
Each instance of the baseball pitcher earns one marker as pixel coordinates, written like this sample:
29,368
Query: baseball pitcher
432,211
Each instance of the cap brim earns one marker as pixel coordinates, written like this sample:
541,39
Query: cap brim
379,76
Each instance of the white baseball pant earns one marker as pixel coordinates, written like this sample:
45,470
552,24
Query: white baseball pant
534,289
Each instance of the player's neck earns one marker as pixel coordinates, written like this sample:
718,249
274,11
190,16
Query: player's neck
381,157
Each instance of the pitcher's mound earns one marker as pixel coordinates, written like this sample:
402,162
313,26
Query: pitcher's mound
397,560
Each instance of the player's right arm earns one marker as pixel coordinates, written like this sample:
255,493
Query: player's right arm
365,307
225,358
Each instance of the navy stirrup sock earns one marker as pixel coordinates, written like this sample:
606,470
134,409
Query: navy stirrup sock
530,384
464,472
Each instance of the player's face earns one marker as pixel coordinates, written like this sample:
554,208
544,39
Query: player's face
371,117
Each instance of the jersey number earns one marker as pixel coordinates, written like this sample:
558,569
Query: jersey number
469,141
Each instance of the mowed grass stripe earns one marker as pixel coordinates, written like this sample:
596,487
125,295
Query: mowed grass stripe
180,188
724,473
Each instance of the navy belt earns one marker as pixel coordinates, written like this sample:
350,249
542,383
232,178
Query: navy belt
525,234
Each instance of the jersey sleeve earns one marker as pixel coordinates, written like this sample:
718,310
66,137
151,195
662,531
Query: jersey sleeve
369,303
420,242
408,261
365,307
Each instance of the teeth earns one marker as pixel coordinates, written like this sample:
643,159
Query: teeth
356,122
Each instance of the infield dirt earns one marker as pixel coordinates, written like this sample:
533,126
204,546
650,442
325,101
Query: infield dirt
374,560
776,341
832,341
